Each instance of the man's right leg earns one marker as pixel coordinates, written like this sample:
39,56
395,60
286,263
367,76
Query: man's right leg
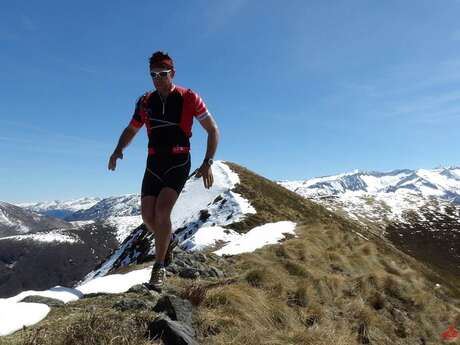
148,205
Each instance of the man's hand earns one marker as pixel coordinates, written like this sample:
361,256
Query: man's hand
205,171
113,160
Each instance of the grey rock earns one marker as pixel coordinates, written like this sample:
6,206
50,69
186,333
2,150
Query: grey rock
139,288
180,263
173,268
94,294
200,267
188,261
133,304
171,332
214,272
204,215
176,308
155,294
189,273
51,302
200,257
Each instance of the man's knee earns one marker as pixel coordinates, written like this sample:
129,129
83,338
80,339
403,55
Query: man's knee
163,207
148,213
149,220
162,219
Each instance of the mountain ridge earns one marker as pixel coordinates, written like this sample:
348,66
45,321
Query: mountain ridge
332,282
15,220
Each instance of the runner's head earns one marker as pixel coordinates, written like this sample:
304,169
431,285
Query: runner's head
161,70
162,60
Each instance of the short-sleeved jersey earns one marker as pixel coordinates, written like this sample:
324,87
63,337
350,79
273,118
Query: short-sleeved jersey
169,122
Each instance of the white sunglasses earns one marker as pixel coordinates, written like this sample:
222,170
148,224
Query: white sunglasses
159,74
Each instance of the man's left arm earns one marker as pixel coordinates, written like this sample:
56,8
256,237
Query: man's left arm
210,125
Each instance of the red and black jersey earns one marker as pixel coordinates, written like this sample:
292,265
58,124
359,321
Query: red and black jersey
169,121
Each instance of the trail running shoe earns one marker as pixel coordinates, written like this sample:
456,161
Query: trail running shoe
169,252
158,277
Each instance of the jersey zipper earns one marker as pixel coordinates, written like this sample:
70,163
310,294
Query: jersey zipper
163,102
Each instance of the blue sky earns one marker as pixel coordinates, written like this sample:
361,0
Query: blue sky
298,88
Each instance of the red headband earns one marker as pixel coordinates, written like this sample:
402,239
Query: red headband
163,63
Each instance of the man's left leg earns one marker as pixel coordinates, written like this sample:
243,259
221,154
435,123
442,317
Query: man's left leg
163,208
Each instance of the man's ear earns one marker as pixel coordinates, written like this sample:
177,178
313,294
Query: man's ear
173,73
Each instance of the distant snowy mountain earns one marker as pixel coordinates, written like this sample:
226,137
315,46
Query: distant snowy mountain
118,206
15,220
120,212
383,197
443,183
418,211
61,209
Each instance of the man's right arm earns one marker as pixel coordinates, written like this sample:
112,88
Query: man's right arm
125,138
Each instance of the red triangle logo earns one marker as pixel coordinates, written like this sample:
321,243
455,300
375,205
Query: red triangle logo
450,334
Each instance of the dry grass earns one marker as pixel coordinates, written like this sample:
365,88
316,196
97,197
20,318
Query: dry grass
90,321
324,287
327,286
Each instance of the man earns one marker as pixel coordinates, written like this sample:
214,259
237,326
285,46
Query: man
168,115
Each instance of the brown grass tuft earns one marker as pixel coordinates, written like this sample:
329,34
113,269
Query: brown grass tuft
281,251
259,277
390,267
368,249
296,269
299,297
195,293
377,300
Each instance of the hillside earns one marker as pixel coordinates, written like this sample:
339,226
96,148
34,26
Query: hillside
59,257
332,283
416,210
16,220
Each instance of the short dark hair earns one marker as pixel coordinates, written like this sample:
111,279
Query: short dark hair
162,59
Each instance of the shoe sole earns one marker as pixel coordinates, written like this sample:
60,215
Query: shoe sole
152,287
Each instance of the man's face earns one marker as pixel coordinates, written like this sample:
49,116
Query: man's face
162,77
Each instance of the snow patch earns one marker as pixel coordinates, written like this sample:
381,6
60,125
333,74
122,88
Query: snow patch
207,236
258,237
43,237
16,315
124,225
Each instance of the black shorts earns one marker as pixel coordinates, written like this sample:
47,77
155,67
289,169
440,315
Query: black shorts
165,170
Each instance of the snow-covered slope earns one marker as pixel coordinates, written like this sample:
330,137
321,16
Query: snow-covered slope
197,208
